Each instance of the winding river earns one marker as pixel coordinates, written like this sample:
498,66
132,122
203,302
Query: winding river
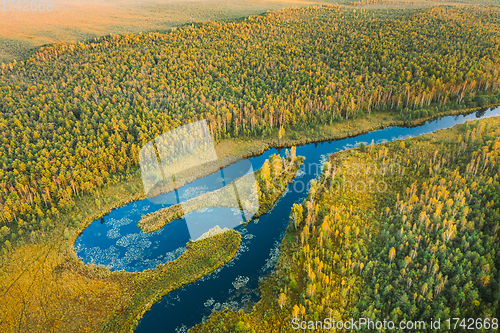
115,240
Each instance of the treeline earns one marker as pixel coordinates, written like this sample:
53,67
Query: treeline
73,117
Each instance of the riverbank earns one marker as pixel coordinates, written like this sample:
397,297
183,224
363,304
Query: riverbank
338,130
266,191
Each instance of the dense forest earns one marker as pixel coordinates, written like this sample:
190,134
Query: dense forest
73,117
424,245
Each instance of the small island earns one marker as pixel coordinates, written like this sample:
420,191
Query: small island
272,180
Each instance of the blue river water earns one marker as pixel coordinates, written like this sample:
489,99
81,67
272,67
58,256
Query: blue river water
115,240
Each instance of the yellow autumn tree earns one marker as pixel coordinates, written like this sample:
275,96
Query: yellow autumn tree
282,300
392,254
